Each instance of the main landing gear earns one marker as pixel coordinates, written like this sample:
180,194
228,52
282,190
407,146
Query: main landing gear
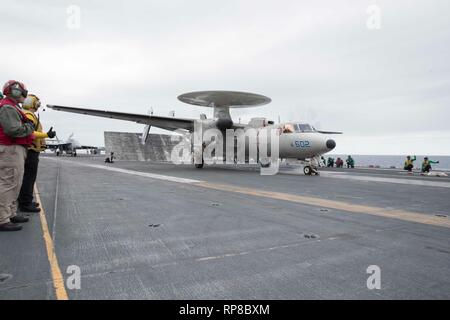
199,165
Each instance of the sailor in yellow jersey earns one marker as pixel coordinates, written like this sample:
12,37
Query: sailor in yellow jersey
31,106
409,163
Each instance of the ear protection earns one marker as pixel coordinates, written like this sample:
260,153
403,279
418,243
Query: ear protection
31,102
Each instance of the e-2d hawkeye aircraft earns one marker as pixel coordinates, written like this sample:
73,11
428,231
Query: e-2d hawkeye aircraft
297,140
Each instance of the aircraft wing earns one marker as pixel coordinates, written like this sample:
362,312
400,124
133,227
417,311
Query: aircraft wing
56,145
168,123
52,146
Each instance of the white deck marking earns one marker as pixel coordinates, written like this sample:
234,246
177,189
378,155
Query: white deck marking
132,172
347,175
415,182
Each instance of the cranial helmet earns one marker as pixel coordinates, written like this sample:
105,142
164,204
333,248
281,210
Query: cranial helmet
15,89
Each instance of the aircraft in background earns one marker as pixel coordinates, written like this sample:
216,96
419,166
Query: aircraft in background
297,140
69,146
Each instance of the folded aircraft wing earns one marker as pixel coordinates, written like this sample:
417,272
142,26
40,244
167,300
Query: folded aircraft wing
168,123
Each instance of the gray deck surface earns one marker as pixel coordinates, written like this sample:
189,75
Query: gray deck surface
213,244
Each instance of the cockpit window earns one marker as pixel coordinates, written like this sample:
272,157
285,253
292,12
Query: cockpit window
296,127
288,128
304,127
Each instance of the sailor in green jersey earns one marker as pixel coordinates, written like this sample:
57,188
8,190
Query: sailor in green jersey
426,164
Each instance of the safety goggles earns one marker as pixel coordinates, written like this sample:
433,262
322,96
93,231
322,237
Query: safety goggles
23,91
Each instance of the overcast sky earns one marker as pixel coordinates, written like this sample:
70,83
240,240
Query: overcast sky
388,89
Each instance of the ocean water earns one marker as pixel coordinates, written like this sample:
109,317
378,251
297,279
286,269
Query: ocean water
387,161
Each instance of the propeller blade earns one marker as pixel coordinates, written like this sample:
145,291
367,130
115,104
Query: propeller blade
329,132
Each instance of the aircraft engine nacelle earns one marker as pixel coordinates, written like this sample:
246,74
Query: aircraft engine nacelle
259,122
223,124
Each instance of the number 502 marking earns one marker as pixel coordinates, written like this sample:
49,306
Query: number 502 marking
302,144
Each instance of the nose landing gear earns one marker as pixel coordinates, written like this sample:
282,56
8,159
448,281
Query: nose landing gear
310,170
310,166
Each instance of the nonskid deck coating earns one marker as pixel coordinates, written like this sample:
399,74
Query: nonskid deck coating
134,236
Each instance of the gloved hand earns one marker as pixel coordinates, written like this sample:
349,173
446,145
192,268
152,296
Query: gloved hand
51,134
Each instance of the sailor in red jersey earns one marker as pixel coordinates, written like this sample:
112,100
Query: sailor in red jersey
16,134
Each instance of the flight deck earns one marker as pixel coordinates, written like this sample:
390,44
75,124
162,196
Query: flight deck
154,230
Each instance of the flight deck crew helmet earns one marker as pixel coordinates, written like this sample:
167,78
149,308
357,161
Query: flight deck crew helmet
31,102
15,89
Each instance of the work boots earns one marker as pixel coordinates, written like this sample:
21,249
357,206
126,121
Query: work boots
30,208
19,219
13,225
10,227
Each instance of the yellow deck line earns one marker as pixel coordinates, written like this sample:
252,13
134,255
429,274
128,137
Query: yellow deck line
333,204
57,277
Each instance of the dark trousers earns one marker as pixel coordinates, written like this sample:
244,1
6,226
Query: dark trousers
29,178
409,167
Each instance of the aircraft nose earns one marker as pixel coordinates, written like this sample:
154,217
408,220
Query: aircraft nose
331,144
